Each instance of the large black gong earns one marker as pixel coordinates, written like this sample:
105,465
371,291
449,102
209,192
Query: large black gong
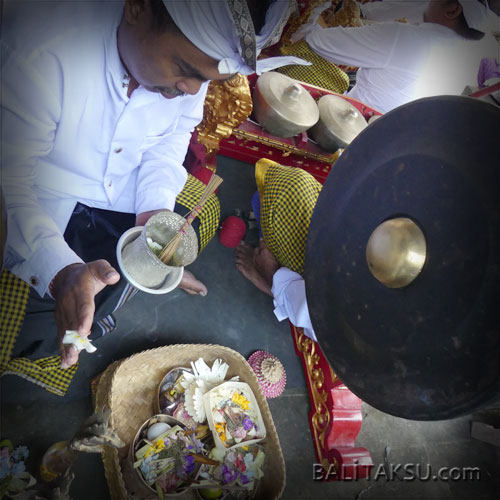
428,350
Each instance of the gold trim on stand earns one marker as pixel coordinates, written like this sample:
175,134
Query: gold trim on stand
288,148
227,105
316,378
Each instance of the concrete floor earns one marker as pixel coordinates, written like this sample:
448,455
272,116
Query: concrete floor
237,315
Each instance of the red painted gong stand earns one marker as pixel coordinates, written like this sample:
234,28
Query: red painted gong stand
335,417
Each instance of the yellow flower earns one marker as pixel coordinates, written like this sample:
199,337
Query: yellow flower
156,448
221,430
241,400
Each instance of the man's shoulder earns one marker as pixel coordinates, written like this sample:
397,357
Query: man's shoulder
423,34
48,25
382,29
436,30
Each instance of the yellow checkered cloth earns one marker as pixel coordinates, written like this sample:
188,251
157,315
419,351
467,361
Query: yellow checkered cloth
209,216
14,293
288,196
45,371
321,73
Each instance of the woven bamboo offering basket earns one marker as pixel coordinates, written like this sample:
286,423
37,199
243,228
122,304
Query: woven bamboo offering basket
129,387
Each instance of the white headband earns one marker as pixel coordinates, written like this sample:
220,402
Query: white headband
223,29
476,14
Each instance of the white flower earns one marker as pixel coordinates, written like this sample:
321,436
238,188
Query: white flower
202,380
72,337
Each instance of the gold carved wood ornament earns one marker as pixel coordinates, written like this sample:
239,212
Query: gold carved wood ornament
227,105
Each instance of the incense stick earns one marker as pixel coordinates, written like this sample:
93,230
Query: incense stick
170,248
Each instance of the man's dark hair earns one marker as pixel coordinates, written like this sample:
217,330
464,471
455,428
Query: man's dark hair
258,10
161,18
163,22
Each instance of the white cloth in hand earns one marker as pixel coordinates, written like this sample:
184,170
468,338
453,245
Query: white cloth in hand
289,293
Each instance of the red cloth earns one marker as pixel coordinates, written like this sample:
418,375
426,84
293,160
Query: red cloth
196,159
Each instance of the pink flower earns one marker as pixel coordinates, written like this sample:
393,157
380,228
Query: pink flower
240,433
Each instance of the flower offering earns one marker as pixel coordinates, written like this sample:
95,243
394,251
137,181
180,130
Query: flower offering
155,246
167,461
234,414
239,469
13,475
172,396
211,413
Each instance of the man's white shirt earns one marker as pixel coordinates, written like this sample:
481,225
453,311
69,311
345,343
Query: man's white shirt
400,62
391,10
70,133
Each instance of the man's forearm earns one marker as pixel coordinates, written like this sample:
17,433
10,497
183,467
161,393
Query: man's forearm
36,250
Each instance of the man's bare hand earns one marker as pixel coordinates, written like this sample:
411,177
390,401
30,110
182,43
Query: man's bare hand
74,289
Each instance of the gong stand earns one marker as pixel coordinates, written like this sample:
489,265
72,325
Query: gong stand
335,417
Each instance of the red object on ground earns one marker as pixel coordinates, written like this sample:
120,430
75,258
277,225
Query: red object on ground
232,231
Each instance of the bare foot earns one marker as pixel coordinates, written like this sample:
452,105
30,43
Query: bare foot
247,260
265,262
191,285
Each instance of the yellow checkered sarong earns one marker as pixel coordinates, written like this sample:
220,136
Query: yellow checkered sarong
14,293
45,371
288,196
209,216
321,73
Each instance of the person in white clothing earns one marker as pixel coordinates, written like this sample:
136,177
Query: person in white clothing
98,102
400,62
286,287
413,11
391,10
283,206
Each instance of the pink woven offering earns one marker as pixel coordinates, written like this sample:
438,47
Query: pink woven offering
270,373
